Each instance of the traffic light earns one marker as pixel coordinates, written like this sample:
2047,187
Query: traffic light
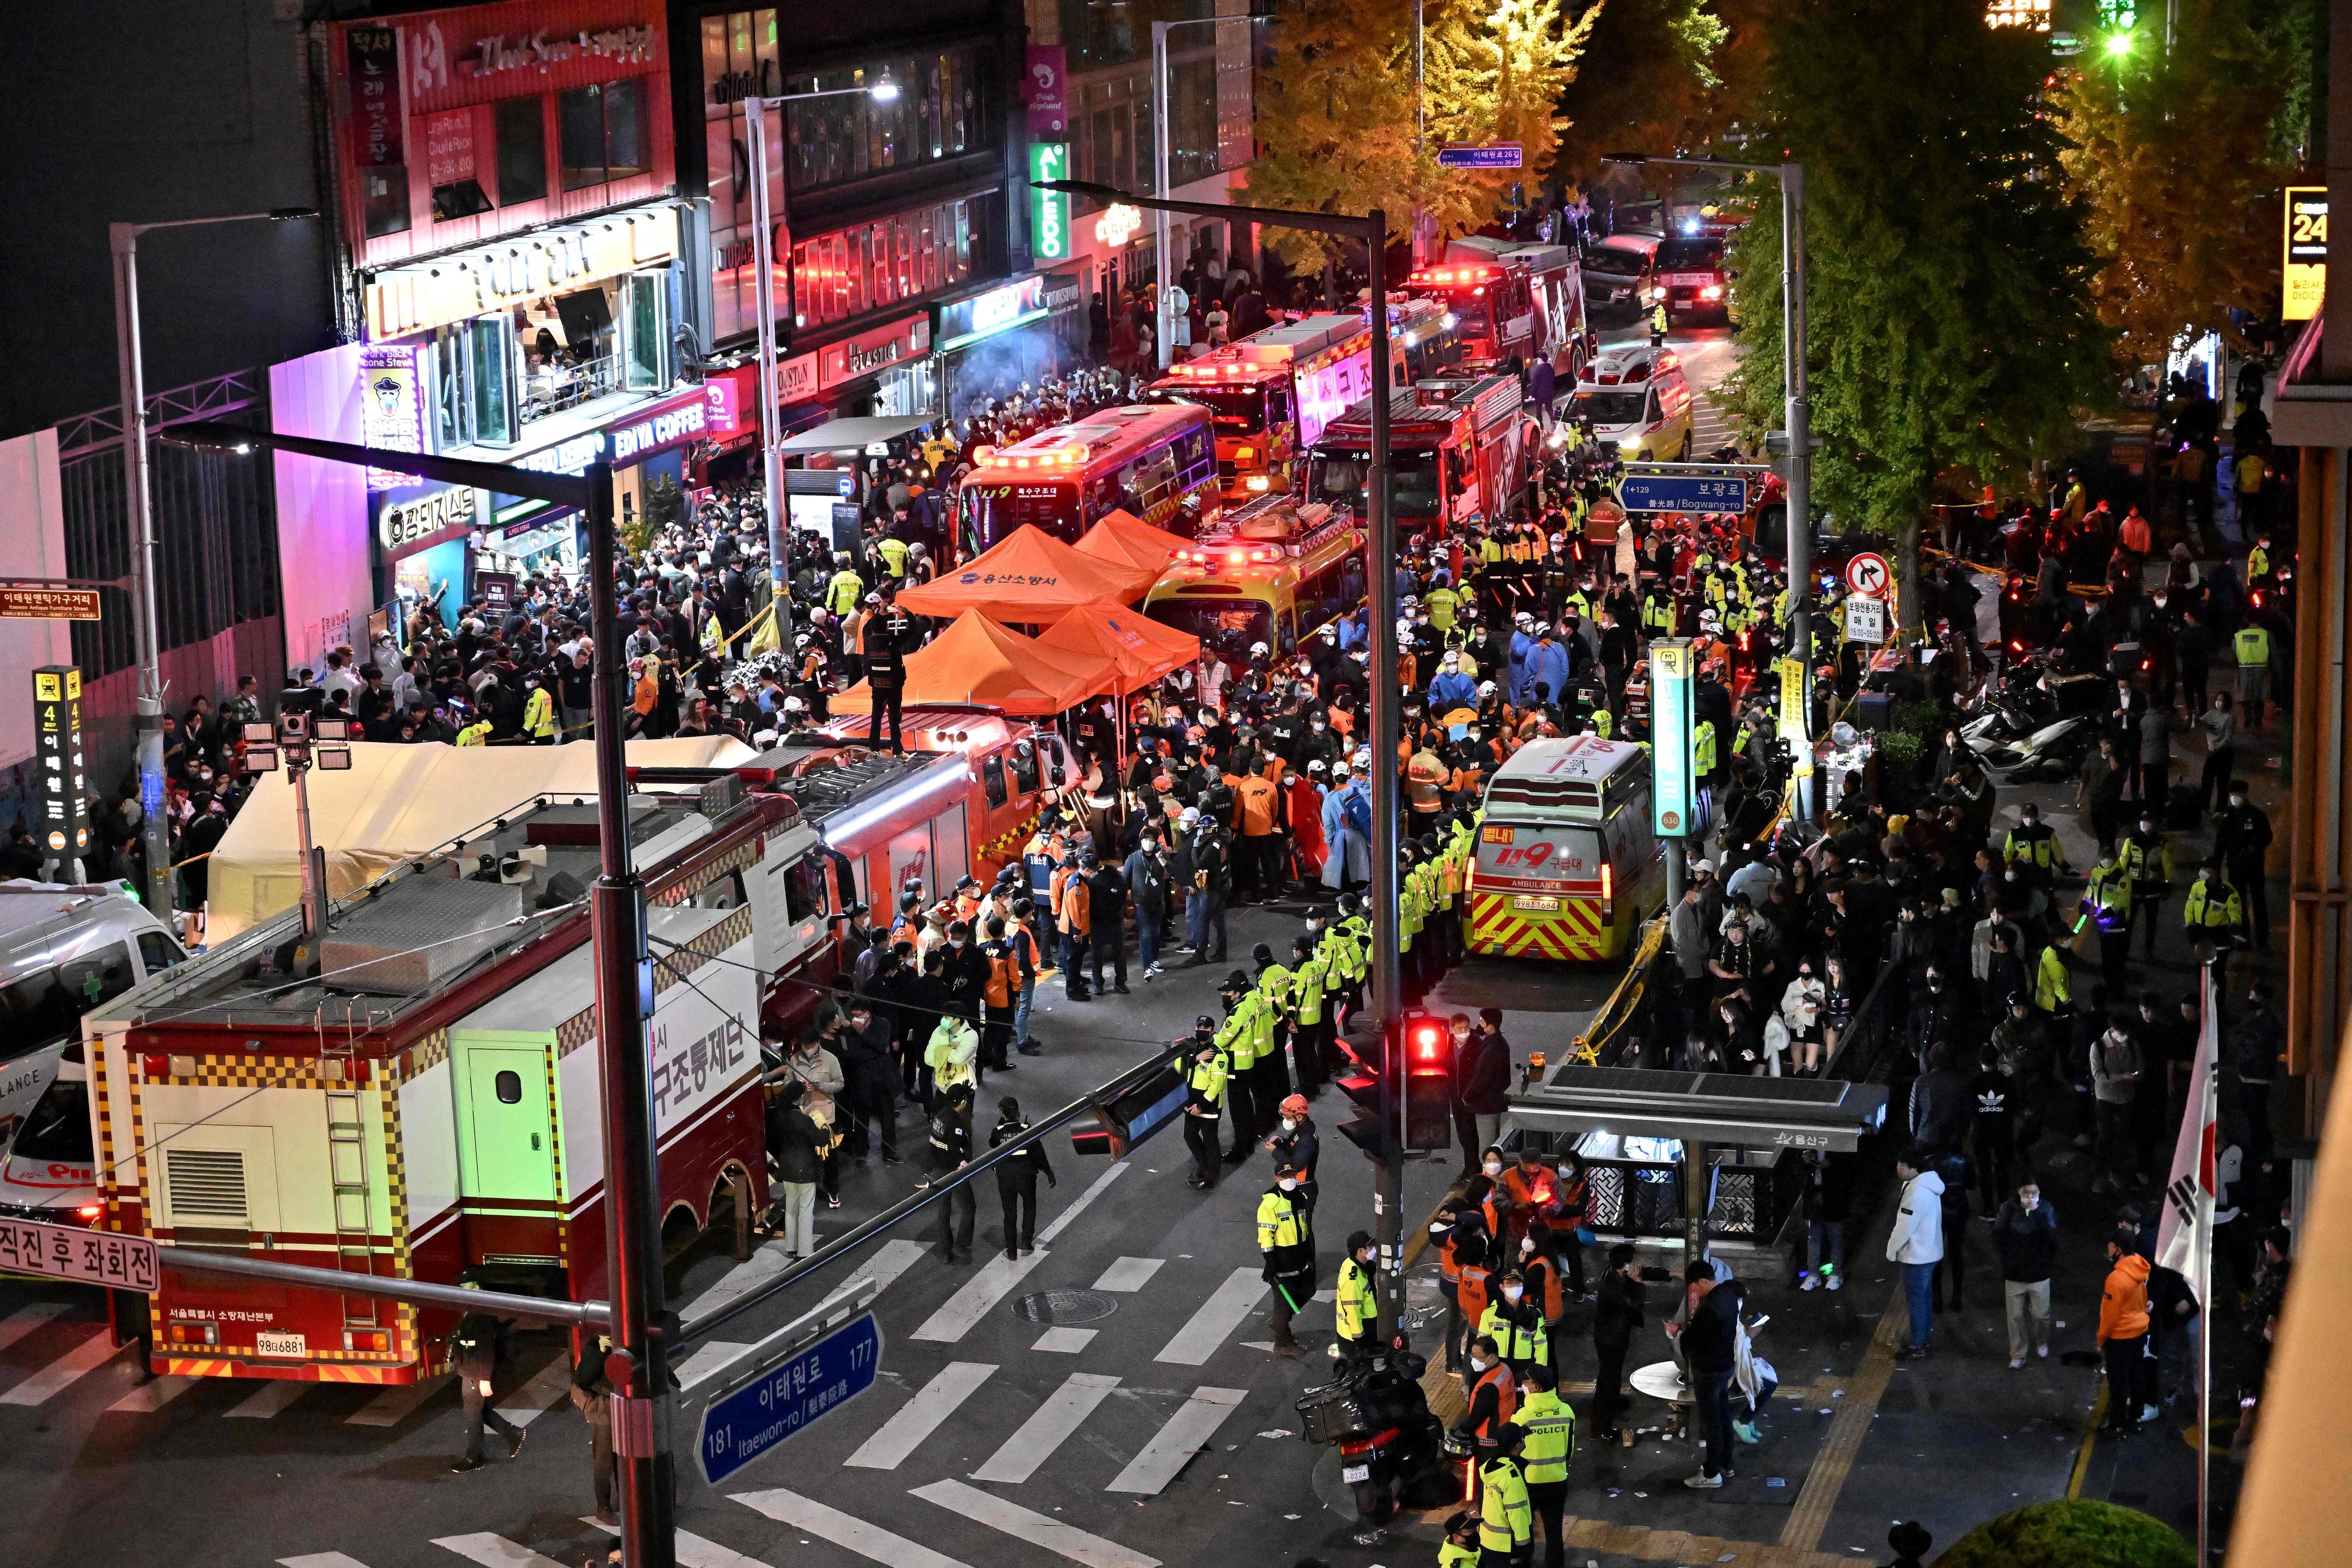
1360,1081
1426,1047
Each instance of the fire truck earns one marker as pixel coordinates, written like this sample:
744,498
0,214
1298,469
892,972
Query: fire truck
1460,450
425,1102
1511,300
1276,572
1270,395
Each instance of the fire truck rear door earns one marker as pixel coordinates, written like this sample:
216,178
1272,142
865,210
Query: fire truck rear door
506,1129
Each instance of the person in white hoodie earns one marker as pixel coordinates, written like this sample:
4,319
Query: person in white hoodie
1917,1244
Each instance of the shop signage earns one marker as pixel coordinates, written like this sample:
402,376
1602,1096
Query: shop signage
1670,731
405,527
61,787
2306,252
417,296
484,52
1118,225
449,146
393,405
1063,292
1015,304
1049,211
869,352
496,590
541,51
796,380
372,54
1046,89
723,402
681,419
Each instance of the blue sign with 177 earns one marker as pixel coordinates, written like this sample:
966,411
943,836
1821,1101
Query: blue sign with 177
1681,492
753,1418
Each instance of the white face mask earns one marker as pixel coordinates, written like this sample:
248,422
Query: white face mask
1480,1363
1512,1292
1494,1167
1286,1183
1290,1124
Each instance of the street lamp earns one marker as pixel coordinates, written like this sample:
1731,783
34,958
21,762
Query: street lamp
1388,1002
1160,236
1798,421
122,239
763,257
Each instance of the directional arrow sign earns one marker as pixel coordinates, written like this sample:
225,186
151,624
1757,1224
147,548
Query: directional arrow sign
1867,572
1682,492
752,1417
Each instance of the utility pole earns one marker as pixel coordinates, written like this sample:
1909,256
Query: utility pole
1799,418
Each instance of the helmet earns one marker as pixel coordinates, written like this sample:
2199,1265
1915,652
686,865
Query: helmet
1257,650
794,705
1485,689
1294,1106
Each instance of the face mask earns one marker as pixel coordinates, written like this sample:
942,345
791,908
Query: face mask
1526,1245
1286,1184
1480,1363
1290,1124
1512,1292
1494,1167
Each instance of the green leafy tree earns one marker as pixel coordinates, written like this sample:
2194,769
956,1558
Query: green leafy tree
2074,1533
1951,334
1656,76
2169,152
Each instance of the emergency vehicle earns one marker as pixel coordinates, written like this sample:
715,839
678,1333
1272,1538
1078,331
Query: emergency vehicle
1015,769
1567,867
1430,336
1621,272
1508,300
1460,452
1639,402
1555,290
1690,268
1155,461
429,1103
1276,572
1270,395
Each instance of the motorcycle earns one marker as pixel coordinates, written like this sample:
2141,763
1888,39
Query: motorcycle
2054,751
1392,1448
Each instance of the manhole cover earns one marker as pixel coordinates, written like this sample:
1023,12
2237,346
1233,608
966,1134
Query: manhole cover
1065,1307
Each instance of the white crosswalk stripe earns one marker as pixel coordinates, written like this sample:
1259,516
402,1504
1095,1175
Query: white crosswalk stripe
545,1390
693,1551
1064,1342
270,1398
1048,1426
25,1320
845,1530
153,1394
979,1297
1172,1446
65,1372
321,1560
495,1551
891,1259
1062,1222
1225,1309
393,1407
1037,1529
1130,1274
915,1420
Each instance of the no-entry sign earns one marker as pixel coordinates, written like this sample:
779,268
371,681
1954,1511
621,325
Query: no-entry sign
1869,573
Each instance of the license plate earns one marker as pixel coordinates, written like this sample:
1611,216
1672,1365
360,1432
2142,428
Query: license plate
1537,906
1690,279
282,1344
1354,1473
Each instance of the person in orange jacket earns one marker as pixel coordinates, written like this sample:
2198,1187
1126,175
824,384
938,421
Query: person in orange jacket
2123,1338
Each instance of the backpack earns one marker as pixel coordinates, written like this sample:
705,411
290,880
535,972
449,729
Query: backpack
1356,814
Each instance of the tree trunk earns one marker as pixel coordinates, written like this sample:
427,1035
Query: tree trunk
1909,607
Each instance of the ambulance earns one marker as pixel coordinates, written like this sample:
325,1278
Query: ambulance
1568,867
1276,573
1270,395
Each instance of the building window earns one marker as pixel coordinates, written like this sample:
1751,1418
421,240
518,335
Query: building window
603,127
874,266
522,133
1117,32
385,189
940,112
645,332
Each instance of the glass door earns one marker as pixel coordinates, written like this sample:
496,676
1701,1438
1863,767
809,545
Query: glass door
644,330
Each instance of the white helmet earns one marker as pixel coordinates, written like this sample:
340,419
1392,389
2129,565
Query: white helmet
1485,689
1257,650
794,705
1524,618
1404,629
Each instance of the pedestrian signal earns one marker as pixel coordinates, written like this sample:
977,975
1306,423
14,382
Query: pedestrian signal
1426,1050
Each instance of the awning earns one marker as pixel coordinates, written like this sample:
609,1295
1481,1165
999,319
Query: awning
1141,650
852,434
1031,579
1725,1110
976,660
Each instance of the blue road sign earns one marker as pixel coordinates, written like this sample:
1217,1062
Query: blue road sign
1482,155
1681,492
740,1425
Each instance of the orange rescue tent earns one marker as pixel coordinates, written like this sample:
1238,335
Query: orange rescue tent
1126,540
1141,650
976,660
1033,578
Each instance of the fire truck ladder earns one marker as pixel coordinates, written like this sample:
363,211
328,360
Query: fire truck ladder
339,1068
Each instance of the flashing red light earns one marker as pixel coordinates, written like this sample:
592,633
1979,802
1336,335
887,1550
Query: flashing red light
1426,1040
2258,598
88,1211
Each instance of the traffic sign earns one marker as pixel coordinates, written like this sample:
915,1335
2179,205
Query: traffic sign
31,604
1482,155
73,1252
1865,619
1868,573
753,1417
1638,491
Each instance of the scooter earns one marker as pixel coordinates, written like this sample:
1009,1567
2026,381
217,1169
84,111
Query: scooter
1392,1449
2052,752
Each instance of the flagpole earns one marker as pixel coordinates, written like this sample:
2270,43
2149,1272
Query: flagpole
2209,1047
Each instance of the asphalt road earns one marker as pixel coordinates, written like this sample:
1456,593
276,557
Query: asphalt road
1132,1437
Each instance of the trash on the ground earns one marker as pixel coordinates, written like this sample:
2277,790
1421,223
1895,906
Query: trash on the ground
1641,1494
1727,1557
2062,1322
1837,1393
1776,1480
1290,1516
1825,1410
1278,1432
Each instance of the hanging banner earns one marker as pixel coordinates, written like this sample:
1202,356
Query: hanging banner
1792,699
61,783
1046,89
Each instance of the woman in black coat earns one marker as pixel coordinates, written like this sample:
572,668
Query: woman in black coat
796,1148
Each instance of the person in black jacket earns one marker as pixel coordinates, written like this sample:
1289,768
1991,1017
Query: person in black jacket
473,1357
1107,915
1708,1340
951,1147
592,1395
1484,1061
1016,1178
796,1150
1615,1319
2025,1234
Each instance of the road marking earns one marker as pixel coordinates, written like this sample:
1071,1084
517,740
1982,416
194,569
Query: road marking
1847,1429
61,1373
393,1407
1047,1426
1130,1274
693,1551
495,1551
705,1359
1173,1445
1219,1316
1061,1221
890,1260
915,1420
2090,1441
1064,1342
272,1397
321,1560
979,1297
844,1530
152,1395
25,1320
1038,1529
534,1399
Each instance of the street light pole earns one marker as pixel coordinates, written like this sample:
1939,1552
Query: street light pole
130,371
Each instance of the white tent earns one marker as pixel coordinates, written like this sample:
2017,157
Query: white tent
398,802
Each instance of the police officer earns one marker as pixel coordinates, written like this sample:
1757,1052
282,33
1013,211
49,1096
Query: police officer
1310,1037
2107,900
890,636
2146,853
1506,1518
1544,1453
2242,837
2213,917
1204,1099
2033,847
1237,1038
1514,1322
1359,1304
2251,644
1285,1240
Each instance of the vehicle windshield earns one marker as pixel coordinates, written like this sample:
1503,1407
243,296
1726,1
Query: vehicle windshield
1231,625
58,1128
993,511
1608,408
1691,253
1233,410
1614,259
1336,476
